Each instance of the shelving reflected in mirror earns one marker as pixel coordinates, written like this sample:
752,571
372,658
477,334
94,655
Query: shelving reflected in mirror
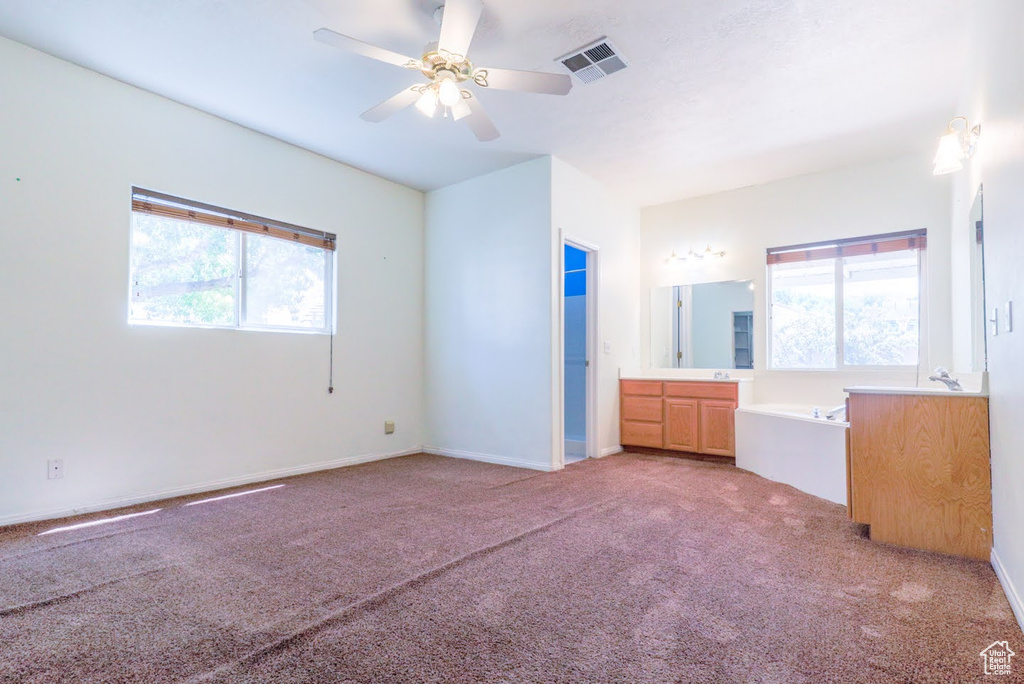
703,325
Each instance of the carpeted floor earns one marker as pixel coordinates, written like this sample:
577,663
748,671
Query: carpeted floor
633,568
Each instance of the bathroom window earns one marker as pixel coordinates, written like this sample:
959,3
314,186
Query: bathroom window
852,303
197,265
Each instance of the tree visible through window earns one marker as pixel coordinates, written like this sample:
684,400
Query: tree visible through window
188,272
854,303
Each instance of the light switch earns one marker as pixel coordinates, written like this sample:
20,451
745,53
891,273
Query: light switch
607,347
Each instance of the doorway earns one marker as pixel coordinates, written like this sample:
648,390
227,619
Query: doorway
577,349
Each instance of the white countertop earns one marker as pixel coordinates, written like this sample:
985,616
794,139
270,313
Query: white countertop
668,378
919,391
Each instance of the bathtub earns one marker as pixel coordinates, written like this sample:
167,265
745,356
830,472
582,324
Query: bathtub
785,443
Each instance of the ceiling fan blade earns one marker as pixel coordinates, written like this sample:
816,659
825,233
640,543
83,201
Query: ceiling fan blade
526,81
478,121
458,25
349,44
392,105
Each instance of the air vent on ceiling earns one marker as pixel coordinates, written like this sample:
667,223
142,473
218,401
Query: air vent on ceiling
594,61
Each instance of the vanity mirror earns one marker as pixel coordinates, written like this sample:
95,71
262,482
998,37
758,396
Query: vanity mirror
979,361
705,325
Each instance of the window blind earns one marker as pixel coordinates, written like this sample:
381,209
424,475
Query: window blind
872,244
160,204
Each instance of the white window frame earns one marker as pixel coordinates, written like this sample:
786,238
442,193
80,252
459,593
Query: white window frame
240,280
841,365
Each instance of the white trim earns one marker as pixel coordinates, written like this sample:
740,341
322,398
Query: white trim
214,485
489,458
558,355
1011,591
594,350
611,451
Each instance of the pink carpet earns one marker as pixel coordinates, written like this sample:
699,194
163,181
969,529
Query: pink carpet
633,568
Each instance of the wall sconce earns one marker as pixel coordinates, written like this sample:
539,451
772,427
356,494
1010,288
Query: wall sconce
698,256
955,145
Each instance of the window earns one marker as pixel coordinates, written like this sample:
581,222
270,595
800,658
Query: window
197,265
848,303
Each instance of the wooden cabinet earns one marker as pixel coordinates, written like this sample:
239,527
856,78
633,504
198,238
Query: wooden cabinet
691,416
682,424
717,431
919,471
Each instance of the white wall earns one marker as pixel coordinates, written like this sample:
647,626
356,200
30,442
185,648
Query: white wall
994,96
489,276
585,210
880,197
139,411
662,330
494,356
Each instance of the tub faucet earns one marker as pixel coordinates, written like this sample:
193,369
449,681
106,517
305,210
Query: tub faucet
942,375
838,413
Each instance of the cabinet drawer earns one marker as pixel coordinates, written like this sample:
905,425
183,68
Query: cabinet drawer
641,408
641,434
701,390
641,387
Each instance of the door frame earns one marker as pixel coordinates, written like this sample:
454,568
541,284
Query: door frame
592,448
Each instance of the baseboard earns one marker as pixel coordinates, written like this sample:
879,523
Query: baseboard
611,451
214,485
1011,591
488,458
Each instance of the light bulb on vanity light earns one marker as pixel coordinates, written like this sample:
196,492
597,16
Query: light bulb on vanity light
949,155
674,258
955,145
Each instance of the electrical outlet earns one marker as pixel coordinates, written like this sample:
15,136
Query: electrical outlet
55,469
389,427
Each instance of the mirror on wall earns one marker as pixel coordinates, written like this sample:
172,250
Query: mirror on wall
979,360
704,325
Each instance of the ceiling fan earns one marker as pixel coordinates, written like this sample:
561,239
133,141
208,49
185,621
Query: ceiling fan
447,69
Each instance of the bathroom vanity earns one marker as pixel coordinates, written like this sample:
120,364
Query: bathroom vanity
918,468
694,416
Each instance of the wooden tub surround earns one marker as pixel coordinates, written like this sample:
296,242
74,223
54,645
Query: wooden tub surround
690,416
918,470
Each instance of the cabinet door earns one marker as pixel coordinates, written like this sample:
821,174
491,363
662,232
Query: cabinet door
682,420
717,428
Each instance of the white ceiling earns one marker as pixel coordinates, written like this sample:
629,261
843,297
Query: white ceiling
720,93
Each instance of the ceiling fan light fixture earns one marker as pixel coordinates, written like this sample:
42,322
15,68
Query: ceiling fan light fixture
427,103
446,67
448,92
461,108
